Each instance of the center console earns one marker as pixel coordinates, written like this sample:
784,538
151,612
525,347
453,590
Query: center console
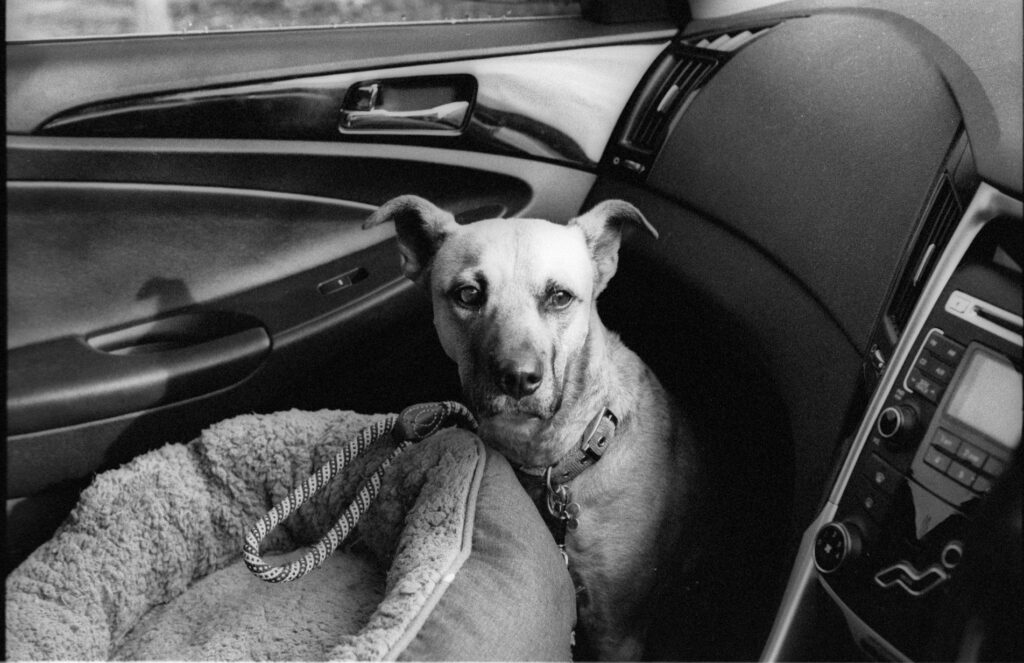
940,434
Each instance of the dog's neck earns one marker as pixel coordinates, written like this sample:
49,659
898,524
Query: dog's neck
597,383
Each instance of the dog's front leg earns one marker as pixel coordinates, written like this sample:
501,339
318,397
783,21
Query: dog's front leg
603,635
613,615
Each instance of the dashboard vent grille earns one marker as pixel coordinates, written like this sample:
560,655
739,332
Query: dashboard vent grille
672,83
943,213
675,91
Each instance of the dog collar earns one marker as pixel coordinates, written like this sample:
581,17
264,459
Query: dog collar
596,439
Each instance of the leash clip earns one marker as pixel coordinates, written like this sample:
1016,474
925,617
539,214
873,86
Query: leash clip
422,420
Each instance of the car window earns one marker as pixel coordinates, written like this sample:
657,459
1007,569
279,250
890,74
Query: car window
62,19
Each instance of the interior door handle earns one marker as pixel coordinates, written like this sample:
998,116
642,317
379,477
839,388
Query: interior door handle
419,105
444,119
70,381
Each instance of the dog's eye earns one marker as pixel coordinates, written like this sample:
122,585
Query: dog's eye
470,296
559,299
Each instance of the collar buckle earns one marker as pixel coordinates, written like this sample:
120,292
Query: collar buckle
598,435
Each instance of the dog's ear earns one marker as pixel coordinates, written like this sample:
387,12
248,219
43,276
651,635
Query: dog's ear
421,227
602,228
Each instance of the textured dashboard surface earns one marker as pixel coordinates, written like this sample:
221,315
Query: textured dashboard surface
820,151
978,48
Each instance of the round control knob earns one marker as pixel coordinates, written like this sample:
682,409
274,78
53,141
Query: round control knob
836,545
896,421
952,555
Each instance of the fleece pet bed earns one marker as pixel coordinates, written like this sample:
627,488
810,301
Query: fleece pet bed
451,561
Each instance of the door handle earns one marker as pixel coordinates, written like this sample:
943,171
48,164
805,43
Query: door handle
444,119
419,105
70,381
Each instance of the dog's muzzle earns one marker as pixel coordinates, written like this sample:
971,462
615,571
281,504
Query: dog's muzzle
519,377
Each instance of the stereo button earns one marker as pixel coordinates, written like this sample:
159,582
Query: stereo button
961,474
944,348
932,367
947,442
874,505
993,466
924,385
982,484
881,474
972,456
873,502
937,459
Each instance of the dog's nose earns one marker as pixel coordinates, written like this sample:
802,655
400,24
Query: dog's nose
518,379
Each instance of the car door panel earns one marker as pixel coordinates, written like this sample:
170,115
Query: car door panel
141,296
82,72
164,283
558,106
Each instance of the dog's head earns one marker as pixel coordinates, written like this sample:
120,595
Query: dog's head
514,304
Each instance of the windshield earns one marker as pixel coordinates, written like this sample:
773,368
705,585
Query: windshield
62,19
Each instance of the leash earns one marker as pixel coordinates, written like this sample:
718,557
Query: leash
414,424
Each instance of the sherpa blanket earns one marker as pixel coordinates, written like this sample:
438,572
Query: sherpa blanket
147,565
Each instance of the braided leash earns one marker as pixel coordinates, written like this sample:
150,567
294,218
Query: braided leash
415,423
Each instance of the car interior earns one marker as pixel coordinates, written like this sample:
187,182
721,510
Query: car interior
834,298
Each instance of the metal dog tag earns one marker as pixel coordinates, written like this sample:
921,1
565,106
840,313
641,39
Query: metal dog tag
560,504
557,500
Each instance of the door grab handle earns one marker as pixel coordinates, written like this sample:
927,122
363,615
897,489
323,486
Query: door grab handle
69,381
444,119
410,106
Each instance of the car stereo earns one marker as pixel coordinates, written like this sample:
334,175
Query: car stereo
916,548
946,432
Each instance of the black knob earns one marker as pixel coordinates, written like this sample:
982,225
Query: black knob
896,422
836,545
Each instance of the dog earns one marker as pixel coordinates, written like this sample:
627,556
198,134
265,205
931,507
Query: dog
560,396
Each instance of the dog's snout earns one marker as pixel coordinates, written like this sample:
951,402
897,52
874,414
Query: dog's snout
519,378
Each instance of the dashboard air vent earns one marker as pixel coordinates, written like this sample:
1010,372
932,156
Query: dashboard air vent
670,86
686,74
939,224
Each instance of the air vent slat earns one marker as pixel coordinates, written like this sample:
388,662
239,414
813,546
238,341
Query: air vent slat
717,44
691,75
728,41
670,84
938,227
647,126
736,41
686,76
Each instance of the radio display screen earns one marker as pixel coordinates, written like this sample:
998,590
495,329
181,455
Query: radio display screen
988,399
